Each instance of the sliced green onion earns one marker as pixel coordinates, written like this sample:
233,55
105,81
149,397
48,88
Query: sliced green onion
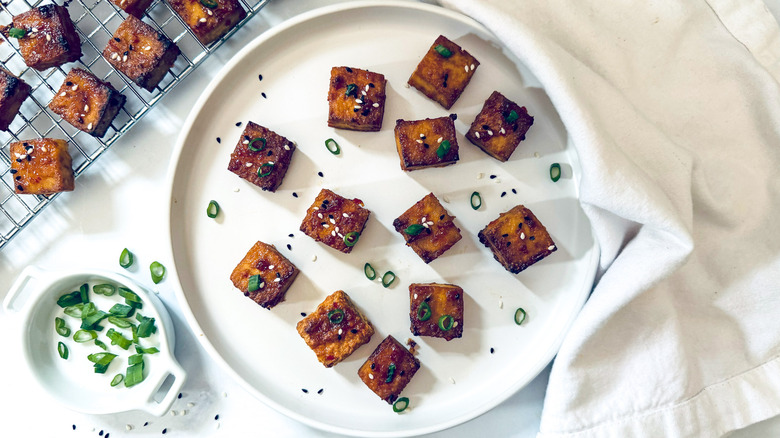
213,209
70,299
119,340
130,297
146,326
101,358
388,278
82,336
252,146
369,271
254,283
424,311
512,116
351,90
336,316
519,315
101,344
60,327
121,310
15,32
84,292
62,349
211,4
120,322
443,149
401,404
390,373
126,258
261,173
158,271
91,322
80,310
117,379
135,359
443,51
100,369
104,289
555,172
414,229
134,374
150,350
351,238
332,146
446,322
476,200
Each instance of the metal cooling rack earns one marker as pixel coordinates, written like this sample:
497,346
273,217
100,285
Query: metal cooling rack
95,21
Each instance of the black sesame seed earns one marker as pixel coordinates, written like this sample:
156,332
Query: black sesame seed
20,187
354,110
74,427
247,138
295,195
505,235
260,77
277,275
216,417
303,313
532,238
353,331
289,247
320,174
270,152
330,216
126,53
492,177
13,171
426,145
527,218
454,117
180,395
492,350
370,85
238,123
305,391
106,435
485,127
29,157
69,83
349,70
441,218
264,96
291,234
117,39
503,194
365,112
100,433
18,177
320,391
457,296
514,191
146,424
219,140
520,225
131,47
164,431
373,365
338,337
401,373
508,244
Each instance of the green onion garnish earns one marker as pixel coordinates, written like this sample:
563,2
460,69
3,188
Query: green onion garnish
443,51
117,379
70,299
120,322
351,238
84,292
104,289
211,4
414,229
121,310
390,373
135,359
118,339
82,336
134,374
101,344
512,116
555,172
401,404
126,258
444,148
15,32
336,316
101,358
519,315
146,326
261,173
252,144
446,322
92,322
213,209
424,311
62,349
254,283
369,271
332,146
158,271
388,278
81,310
130,297
150,350
60,327
476,200
351,89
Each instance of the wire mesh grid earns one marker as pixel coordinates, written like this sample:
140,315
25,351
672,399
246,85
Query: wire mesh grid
95,21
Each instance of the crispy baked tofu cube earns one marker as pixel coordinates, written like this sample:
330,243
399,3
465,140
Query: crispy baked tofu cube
500,126
261,157
209,19
517,239
140,52
274,275
426,143
389,369
136,8
335,221
436,310
428,228
444,72
336,329
41,166
356,99
13,91
50,38
86,102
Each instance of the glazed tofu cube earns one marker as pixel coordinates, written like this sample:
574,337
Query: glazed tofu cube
436,310
41,166
209,19
356,99
136,8
140,52
426,143
86,102
13,91
335,221
500,126
261,157
517,239
428,228
336,329
444,72
264,275
49,40
389,369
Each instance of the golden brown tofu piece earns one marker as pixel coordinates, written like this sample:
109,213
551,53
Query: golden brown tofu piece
389,369
336,329
517,239
41,166
13,91
335,221
141,53
428,228
261,157
500,126
209,19
356,99
49,40
86,102
444,72
264,275
426,143
436,310
136,8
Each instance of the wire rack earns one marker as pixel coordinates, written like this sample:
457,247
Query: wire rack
95,22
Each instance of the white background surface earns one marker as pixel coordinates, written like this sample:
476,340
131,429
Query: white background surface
119,203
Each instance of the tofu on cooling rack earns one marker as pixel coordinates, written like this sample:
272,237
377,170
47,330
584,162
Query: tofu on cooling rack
426,143
444,72
500,126
356,99
13,92
335,221
41,167
517,239
136,8
389,369
428,228
436,310
140,52
261,157
209,19
86,102
47,37
264,275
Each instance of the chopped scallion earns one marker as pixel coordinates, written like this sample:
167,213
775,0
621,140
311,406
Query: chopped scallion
84,292
135,359
332,146
446,322
262,173
121,310
15,32
211,4
119,322
158,271
414,229
351,238
118,340
519,315
150,350
101,344
336,316
443,149
62,349
351,90
92,321
61,328
82,336
443,51
146,326
260,140
424,311
390,373
555,172
134,374
213,209
401,404
126,258
512,116
369,271
70,299
104,289
254,283
388,278
476,200
117,379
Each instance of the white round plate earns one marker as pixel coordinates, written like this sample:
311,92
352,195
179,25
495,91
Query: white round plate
459,379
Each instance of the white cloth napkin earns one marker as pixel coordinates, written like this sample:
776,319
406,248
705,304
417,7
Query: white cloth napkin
674,109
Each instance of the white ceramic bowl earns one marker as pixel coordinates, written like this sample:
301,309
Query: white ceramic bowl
32,300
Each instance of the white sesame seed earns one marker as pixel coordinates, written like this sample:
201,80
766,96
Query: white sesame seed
287,147
202,20
337,229
522,236
467,69
114,55
455,324
536,154
260,286
358,101
23,156
319,215
429,223
357,106
190,405
35,29
473,66
216,426
30,149
340,331
341,235
344,214
277,280
86,108
425,224
370,376
316,208
363,93
245,142
173,413
500,304
248,164
489,132
62,94
224,394
89,126
406,85
480,175
236,189
184,412
551,247
502,132
128,427
333,233
148,48
332,221
271,162
209,12
271,266
476,134
497,180
424,218
366,87
452,380
419,141
325,225
415,296
48,37
124,58
43,149
440,139
445,199
314,257
75,87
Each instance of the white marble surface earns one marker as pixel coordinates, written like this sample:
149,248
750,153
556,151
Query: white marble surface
117,203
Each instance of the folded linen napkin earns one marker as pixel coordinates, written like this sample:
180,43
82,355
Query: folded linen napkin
674,110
